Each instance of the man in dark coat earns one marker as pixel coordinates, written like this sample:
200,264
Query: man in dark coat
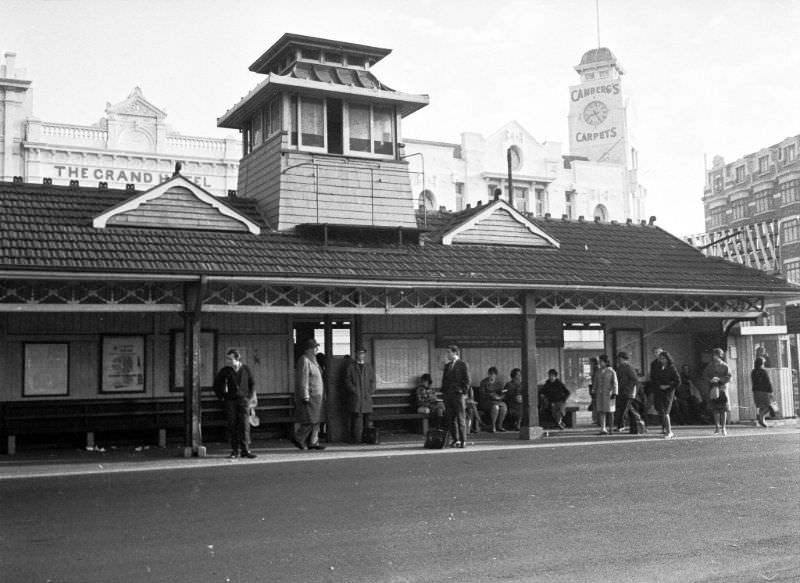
628,406
455,387
359,380
234,385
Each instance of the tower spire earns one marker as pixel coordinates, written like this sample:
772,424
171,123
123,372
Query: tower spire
597,19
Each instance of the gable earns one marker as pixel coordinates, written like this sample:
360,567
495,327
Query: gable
176,204
498,224
500,228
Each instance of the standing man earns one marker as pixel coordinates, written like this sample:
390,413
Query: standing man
308,397
360,382
455,387
234,385
628,381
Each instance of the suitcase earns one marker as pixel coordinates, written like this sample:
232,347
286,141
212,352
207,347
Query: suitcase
372,435
435,438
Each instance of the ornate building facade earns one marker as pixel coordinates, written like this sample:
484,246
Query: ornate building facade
132,144
598,177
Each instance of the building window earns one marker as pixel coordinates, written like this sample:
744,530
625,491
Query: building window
371,129
310,54
427,200
334,58
739,210
718,183
274,116
601,212
359,128
540,203
716,217
789,153
764,202
790,191
791,231
569,204
312,122
257,129
740,174
494,189
590,75
763,164
521,196
460,196
603,74
792,271
383,130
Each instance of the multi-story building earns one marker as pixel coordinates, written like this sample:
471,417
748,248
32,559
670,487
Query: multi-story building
752,216
132,144
597,178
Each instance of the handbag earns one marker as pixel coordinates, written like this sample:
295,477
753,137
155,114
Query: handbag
713,394
774,408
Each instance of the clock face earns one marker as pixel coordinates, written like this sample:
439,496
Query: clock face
595,113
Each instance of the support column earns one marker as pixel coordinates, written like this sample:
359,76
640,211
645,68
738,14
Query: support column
531,429
193,437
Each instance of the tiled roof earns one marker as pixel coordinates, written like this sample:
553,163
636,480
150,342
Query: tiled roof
49,228
336,75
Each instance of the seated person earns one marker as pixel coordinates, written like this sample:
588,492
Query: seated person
491,400
513,398
554,397
428,402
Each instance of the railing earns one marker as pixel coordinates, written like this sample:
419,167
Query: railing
195,143
755,245
65,131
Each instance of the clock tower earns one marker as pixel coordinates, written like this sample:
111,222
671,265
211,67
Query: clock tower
598,124
600,131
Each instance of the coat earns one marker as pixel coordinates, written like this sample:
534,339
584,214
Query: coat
605,386
309,385
627,380
359,379
455,378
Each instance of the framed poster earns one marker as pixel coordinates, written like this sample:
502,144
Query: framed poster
208,343
630,341
45,370
122,364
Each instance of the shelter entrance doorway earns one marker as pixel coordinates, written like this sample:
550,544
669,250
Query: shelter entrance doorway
335,347
582,342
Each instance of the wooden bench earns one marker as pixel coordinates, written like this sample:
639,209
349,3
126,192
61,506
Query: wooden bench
398,405
570,416
90,416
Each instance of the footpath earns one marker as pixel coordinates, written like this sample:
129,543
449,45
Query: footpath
41,463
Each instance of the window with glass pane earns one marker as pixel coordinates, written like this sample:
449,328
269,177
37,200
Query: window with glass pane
359,128
382,132
257,129
312,123
293,119
274,116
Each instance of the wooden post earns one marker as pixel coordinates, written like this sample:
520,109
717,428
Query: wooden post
531,429
193,438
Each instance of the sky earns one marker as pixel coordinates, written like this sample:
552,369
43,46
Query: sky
706,78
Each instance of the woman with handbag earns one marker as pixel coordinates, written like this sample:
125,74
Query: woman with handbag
664,379
717,375
762,391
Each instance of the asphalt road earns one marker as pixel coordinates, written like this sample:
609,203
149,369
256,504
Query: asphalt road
708,510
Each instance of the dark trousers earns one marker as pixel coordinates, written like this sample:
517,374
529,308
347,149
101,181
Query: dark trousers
628,413
236,415
455,411
358,422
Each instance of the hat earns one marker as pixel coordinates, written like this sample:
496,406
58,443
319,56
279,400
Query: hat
310,343
361,349
624,355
